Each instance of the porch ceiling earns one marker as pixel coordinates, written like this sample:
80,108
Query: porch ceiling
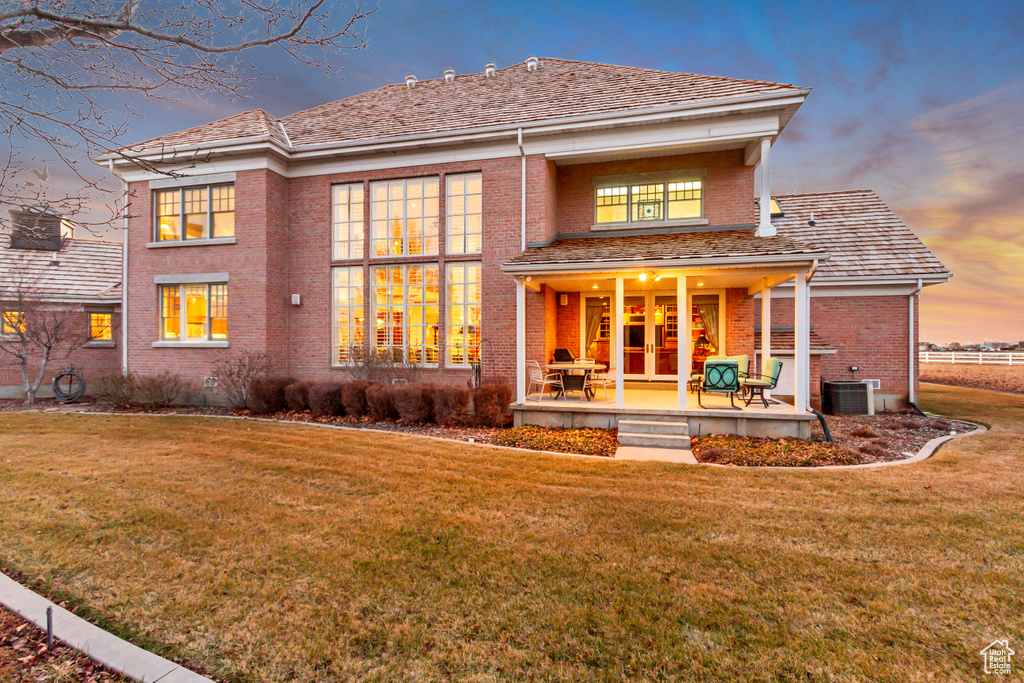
695,282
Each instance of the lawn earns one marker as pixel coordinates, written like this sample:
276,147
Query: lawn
274,552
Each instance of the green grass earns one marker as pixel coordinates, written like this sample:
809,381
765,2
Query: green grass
274,552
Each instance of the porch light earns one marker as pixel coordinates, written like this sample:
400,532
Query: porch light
657,278
643,277
700,283
594,287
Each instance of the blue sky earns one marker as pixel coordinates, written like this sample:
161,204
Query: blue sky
921,101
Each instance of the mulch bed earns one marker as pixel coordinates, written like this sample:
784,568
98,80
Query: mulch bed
578,441
24,657
857,440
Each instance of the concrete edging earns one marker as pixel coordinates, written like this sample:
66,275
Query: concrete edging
106,648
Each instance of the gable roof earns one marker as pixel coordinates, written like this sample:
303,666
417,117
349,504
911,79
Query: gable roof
707,247
87,271
862,235
557,89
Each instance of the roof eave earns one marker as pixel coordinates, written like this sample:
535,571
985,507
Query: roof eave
775,261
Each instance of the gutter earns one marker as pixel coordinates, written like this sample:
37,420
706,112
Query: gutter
124,272
608,266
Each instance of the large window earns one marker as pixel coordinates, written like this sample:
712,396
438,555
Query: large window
348,221
404,215
203,317
464,209
464,313
99,327
405,312
195,213
348,315
646,202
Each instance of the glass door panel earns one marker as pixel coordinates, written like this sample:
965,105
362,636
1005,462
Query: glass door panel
666,337
634,335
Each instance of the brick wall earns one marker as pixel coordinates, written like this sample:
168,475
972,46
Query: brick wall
740,321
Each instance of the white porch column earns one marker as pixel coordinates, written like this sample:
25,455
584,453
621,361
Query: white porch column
520,341
764,226
683,326
802,338
620,388
766,325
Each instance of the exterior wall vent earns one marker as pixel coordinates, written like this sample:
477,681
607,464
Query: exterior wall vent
410,80
449,75
531,63
490,69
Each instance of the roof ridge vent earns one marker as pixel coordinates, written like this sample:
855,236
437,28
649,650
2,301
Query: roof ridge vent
490,68
410,80
531,63
449,75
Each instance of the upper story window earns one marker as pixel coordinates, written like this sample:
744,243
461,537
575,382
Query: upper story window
203,317
464,209
650,201
404,217
99,327
195,213
348,221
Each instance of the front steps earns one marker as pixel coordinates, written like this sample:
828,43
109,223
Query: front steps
662,440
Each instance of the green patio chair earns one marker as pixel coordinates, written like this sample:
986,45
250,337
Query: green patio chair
720,377
755,384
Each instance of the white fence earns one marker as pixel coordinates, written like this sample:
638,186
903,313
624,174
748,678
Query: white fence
972,357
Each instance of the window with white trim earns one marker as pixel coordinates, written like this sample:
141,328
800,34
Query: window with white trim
100,327
649,201
348,315
464,213
465,312
348,221
195,213
404,217
203,317
406,311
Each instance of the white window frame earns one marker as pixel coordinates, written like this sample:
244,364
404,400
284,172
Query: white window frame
630,183
181,237
355,305
351,232
182,339
431,219
109,326
390,305
466,306
458,243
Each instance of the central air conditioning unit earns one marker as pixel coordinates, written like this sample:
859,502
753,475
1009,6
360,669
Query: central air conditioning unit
846,398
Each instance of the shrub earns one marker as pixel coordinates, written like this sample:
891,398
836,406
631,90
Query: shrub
235,375
326,400
863,432
353,395
492,402
162,390
296,396
380,401
119,390
414,402
874,450
266,394
450,405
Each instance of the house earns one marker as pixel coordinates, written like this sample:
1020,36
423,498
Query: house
495,217
49,270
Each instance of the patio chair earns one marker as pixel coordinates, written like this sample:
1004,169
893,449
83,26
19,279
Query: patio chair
600,379
720,377
537,376
755,384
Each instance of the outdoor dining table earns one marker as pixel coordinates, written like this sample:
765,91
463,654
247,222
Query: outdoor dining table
575,382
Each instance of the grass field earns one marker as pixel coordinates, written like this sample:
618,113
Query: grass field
272,552
997,377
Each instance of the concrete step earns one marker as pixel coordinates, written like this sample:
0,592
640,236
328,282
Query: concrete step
654,427
676,441
655,454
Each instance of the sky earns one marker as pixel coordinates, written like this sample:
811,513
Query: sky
922,102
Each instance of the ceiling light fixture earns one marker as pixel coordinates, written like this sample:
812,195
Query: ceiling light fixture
700,283
643,277
595,287
657,278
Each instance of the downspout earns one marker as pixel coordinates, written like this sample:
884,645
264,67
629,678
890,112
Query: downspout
124,271
912,397
522,190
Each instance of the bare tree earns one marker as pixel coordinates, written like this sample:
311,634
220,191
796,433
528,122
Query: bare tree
34,332
75,72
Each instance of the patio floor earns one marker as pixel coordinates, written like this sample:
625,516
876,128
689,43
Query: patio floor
643,396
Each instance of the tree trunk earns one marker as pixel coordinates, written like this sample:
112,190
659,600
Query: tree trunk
30,392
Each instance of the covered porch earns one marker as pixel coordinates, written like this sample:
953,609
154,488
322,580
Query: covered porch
653,322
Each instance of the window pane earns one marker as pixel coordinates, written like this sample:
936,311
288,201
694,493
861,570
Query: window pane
99,326
222,204
684,199
348,221
168,211
648,202
170,312
404,217
348,314
612,204
465,312
218,311
13,322
195,311
464,207
195,207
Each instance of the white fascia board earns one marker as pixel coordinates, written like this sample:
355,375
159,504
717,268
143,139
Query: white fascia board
773,262
409,158
135,174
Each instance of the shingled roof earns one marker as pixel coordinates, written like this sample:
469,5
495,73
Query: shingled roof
85,271
705,247
863,235
557,89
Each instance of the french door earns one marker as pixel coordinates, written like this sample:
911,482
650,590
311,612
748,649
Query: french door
650,333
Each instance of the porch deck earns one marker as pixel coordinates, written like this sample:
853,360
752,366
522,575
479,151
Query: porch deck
660,401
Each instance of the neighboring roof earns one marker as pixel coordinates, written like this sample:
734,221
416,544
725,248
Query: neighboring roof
698,247
862,235
557,89
784,339
86,271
